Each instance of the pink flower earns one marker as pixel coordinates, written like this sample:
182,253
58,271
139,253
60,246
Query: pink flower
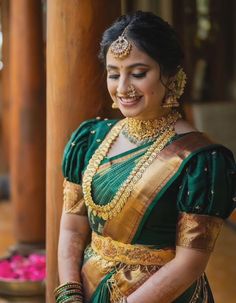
17,267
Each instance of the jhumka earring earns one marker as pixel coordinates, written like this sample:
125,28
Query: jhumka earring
114,105
175,90
121,47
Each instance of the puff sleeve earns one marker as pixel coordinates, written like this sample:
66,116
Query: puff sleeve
72,166
75,152
205,198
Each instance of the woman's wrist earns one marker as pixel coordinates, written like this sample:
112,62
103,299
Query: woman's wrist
71,291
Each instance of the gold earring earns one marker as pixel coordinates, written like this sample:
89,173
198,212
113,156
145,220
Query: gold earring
175,90
114,105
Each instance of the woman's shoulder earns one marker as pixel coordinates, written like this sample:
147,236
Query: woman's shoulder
97,123
92,129
182,127
199,143
82,143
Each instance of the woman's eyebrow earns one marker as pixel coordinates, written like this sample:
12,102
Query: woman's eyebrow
109,66
137,65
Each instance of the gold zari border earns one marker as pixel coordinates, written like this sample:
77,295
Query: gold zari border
132,265
73,198
115,251
198,231
154,179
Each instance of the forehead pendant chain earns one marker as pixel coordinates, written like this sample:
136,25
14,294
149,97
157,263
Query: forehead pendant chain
121,47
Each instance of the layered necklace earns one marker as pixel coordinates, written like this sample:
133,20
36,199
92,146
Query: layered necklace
141,132
114,207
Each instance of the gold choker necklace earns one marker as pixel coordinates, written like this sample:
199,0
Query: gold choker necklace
114,207
143,131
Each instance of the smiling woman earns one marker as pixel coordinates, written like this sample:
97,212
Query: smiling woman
142,74
145,196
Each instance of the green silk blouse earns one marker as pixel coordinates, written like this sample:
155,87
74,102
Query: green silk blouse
204,184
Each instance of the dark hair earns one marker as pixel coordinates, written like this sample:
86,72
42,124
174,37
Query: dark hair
150,34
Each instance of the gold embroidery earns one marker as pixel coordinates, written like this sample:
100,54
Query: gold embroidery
115,251
131,265
73,198
155,178
126,280
200,290
114,207
198,231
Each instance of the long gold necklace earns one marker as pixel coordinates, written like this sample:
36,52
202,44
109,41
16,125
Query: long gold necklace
114,207
141,132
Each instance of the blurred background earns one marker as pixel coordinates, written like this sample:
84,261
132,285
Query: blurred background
49,68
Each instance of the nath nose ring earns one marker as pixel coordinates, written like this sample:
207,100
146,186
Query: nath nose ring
131,92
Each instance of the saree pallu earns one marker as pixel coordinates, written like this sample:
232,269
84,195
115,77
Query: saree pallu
121,257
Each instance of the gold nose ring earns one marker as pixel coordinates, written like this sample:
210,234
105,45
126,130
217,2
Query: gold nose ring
131,91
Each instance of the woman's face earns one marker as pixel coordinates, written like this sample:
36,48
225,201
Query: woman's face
141,72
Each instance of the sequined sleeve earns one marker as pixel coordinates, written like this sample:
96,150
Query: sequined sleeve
206,197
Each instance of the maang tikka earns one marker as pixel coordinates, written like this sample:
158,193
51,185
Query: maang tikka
121,47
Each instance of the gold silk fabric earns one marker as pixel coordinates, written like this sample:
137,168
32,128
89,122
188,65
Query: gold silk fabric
116,251
73,199
198,231
131,265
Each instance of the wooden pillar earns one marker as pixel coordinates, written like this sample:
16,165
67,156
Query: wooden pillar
75,92
28,121
5,108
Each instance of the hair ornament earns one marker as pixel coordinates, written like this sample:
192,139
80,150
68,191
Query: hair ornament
121,47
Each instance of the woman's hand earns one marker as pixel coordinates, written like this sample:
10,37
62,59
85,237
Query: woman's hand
74,236
172,279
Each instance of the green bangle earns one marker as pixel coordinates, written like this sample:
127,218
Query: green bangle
70,299
67,285
69,291
68,295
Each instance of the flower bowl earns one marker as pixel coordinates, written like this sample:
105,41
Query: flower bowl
22,275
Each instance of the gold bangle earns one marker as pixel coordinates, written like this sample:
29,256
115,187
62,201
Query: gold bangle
123,300
64,286
68,291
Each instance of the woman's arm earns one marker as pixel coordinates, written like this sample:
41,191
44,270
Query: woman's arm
173,278
74,235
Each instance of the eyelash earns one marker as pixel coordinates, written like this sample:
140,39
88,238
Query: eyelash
139,76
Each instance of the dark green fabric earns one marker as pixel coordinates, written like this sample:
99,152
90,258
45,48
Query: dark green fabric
190,190
204,184
208,184
76,156
102,294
